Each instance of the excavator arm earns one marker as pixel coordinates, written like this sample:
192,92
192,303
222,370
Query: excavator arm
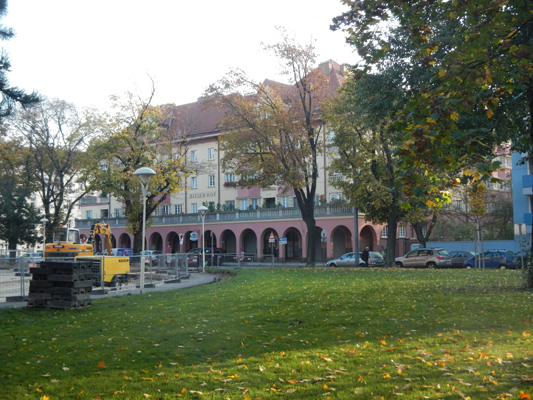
101,229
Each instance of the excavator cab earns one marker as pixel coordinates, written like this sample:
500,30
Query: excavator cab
66,243
61,234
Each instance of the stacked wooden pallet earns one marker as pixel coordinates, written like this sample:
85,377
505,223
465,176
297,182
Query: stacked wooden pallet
61,284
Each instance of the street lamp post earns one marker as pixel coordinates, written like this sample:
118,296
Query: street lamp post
144,174
202,210
44,221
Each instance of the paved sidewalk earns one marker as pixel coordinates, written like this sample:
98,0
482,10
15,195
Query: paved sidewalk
195,279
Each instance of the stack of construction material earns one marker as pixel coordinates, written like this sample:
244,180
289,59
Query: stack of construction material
61,284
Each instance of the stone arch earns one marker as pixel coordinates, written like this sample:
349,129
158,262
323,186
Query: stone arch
124,241
155,242
174,241
368,237
293,248
210,239
249,242
341,239
229,242
188,243
269,249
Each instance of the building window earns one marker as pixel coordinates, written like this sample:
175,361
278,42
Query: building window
335,196
211,181
229,205
89,214
255,204
401,231
385,232
285,201
229,178
165,210
104,213
211,154
194,182
117,212
336,177
194,155
244,204
194,208
178,208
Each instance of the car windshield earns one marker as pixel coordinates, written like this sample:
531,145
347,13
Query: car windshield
375,254
443,253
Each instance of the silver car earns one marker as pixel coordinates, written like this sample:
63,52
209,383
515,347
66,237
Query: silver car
346,260
425,257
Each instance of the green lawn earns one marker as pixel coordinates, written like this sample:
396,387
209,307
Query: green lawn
284,334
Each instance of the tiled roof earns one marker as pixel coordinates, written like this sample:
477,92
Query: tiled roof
201,119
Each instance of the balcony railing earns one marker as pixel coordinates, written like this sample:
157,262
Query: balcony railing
238,215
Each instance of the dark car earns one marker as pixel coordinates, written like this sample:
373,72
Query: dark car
459,257
213,256
375,259
492,259
425,257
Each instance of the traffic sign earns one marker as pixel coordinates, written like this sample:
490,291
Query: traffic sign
283,240
271,238
194,237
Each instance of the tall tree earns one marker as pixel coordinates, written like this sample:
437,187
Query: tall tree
363,143
136,136
18,216
479,55
275,133
56,136
11,96
366,141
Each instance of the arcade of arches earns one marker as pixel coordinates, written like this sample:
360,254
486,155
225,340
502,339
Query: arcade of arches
259,240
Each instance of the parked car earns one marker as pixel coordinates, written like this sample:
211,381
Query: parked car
214,256
151,256
346,260
425,257
459,257
375,259
493,259
522,256
33,258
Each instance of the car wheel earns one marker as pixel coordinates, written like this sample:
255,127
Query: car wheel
502,266
468,266
431,265
399,264
332,265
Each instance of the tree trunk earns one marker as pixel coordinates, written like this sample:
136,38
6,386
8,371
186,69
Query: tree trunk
137,242
12,243
307,209
390,250
310,223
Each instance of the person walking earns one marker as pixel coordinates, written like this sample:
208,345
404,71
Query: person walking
364,256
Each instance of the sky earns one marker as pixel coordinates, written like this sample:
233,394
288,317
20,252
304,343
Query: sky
84,51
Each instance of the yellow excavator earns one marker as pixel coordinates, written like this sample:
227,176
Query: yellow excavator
111,270
66,244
